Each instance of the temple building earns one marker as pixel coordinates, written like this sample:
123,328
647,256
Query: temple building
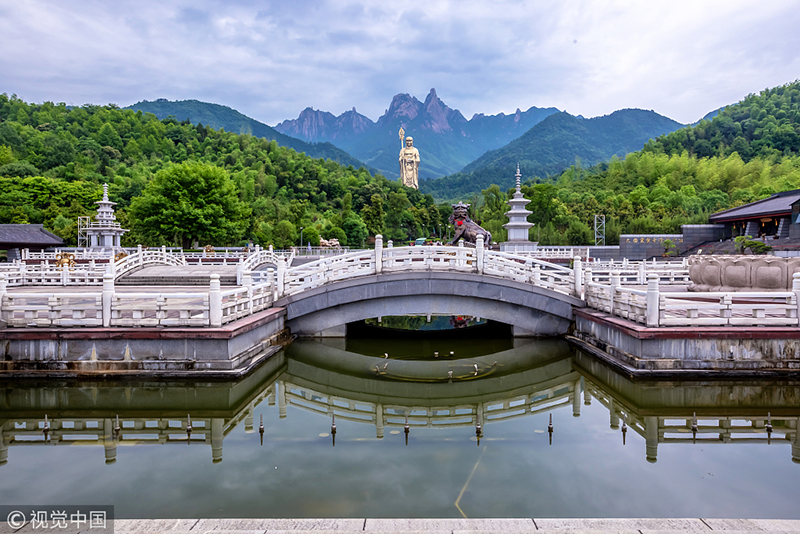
16,237
774,216
104,231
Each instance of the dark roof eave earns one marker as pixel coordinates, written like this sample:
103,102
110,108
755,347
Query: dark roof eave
732,218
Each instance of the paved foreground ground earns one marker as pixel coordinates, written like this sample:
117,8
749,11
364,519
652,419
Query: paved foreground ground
439,526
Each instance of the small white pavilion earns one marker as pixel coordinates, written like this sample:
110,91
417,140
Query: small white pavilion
518,224
104,231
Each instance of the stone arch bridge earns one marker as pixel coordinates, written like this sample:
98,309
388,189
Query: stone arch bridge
533,296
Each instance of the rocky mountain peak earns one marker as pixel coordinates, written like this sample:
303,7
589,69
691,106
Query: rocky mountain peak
404,107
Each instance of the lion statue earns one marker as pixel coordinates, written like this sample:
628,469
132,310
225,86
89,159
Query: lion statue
466,228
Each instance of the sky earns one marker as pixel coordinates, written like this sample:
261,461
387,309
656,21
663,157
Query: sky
271,59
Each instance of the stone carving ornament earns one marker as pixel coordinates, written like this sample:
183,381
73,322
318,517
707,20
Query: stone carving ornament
742,273
465,227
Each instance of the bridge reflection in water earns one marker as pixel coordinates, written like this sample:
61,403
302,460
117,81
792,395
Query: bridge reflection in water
400,395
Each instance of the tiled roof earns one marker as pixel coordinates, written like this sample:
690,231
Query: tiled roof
777,204
22,235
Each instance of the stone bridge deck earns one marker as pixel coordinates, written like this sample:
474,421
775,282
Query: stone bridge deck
448,526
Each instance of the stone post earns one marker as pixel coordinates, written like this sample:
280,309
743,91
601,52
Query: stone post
3,291
576,398
217,426
460,254
378,253
795,289
614,280
108,296
281,276
109,441
271,282
651,438
281,393
642,273
3,448
613,415
139,252
214,302
379,421
248,422
577,269
64,275
247,281
479,254
653,312
795,444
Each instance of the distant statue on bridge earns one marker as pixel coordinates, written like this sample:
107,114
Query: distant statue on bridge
466,228
409,164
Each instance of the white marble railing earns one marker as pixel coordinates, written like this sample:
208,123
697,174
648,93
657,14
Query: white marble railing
144,308
556,253
260,258
20,274
144,257
429,258
416,416
321,251
654,308
636,272
324,271
80,253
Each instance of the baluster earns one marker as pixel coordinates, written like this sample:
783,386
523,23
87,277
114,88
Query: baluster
161,312
726,307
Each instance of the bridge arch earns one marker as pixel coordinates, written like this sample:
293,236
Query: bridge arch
530,310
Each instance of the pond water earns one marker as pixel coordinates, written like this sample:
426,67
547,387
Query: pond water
587,467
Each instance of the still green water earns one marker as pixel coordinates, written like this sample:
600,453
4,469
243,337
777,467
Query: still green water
151,471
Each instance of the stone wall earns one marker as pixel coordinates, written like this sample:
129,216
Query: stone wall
644,246
696,234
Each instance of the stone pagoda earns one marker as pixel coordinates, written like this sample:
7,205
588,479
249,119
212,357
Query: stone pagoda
104,231
518,224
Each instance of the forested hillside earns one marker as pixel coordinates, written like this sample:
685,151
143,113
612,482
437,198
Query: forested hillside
747,152
223,117
176,183
553,145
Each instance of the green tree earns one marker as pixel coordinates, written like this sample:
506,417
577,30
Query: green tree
190,202
285,235
372,214
311,235
355,229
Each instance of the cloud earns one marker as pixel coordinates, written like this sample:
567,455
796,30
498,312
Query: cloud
272,59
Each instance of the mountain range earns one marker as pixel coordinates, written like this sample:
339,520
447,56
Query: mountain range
459,156
218,116
447,140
